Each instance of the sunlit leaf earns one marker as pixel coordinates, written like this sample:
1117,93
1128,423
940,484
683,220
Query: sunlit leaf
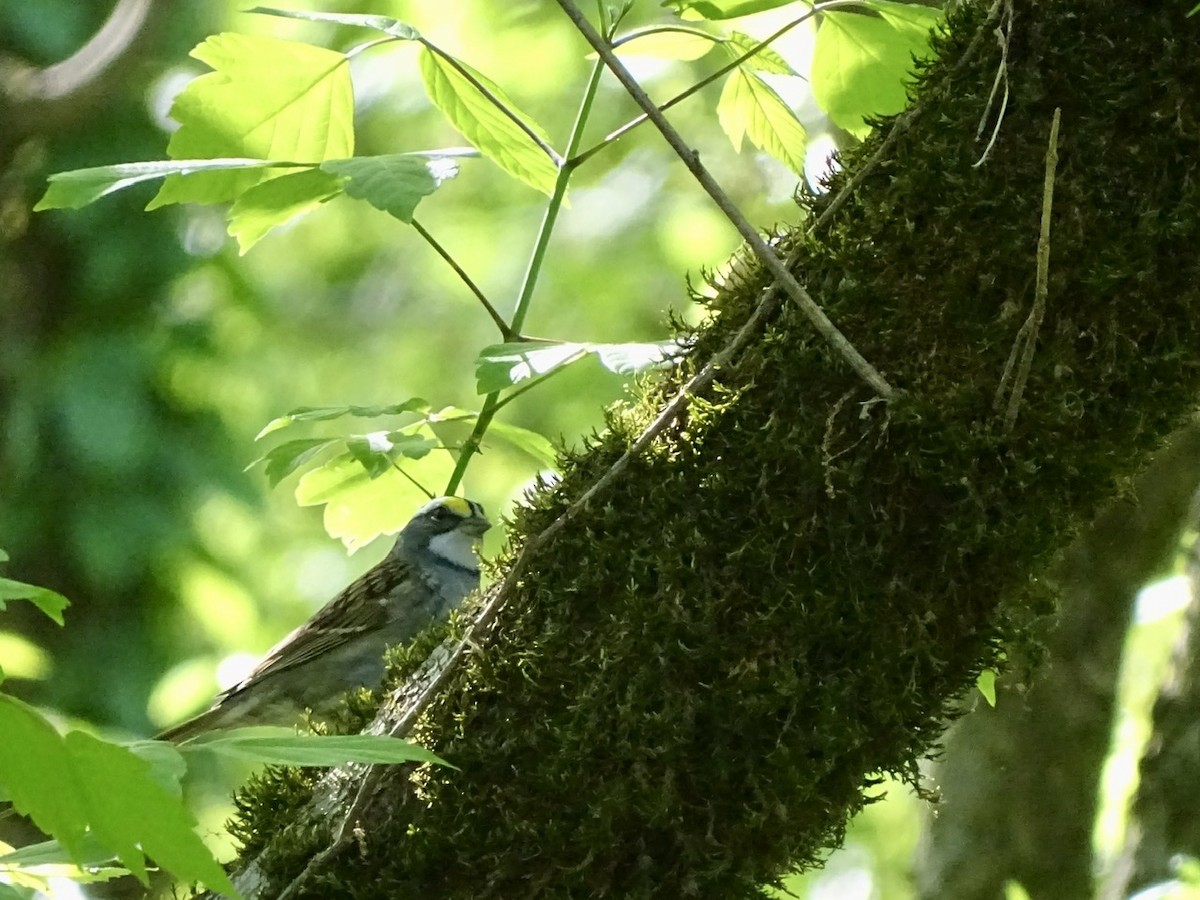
277,201
394,183
326,413
860,62
987,685
387,25
357,508
764,59
482,122
285,459
50,602
291,749
79,187
724,9
376,451
749,107
53,853
267,99
674,42
503,365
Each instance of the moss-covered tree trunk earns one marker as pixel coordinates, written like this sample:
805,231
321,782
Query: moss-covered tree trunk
692,685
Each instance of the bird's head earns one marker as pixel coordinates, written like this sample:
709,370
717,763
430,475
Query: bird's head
449,528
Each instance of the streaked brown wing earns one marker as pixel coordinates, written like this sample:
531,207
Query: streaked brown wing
357,609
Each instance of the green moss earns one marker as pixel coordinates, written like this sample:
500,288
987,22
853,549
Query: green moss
694,684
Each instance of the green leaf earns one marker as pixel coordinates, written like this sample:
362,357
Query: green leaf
987,685
285,459
387,25
671,42
132,813
286,748
52,853
359,509
276,201
266,99
749,107
8,892
724,9
79,187
38,774
325,413
860,62
376,451
530,442
455,89
50,602
503,365
167,766
764,59
394,183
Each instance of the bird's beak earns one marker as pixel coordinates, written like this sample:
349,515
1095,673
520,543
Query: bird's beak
476,526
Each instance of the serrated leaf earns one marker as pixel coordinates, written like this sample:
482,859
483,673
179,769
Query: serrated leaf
749,107
673,42
277,201
860,62
326,413
311,749
36,772
132,813
79,187
764,59
386,24
285,459
394,183
724,9
484,123
503,365
50,602
266,98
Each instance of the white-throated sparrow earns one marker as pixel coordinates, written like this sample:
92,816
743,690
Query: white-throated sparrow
428,572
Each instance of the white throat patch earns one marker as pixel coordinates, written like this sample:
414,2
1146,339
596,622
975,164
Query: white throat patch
456,548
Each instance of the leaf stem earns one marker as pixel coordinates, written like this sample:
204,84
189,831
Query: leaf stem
565,169
505,331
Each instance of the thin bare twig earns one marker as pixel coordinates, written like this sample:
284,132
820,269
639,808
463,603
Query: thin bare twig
761,249
1003,36
1025,343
